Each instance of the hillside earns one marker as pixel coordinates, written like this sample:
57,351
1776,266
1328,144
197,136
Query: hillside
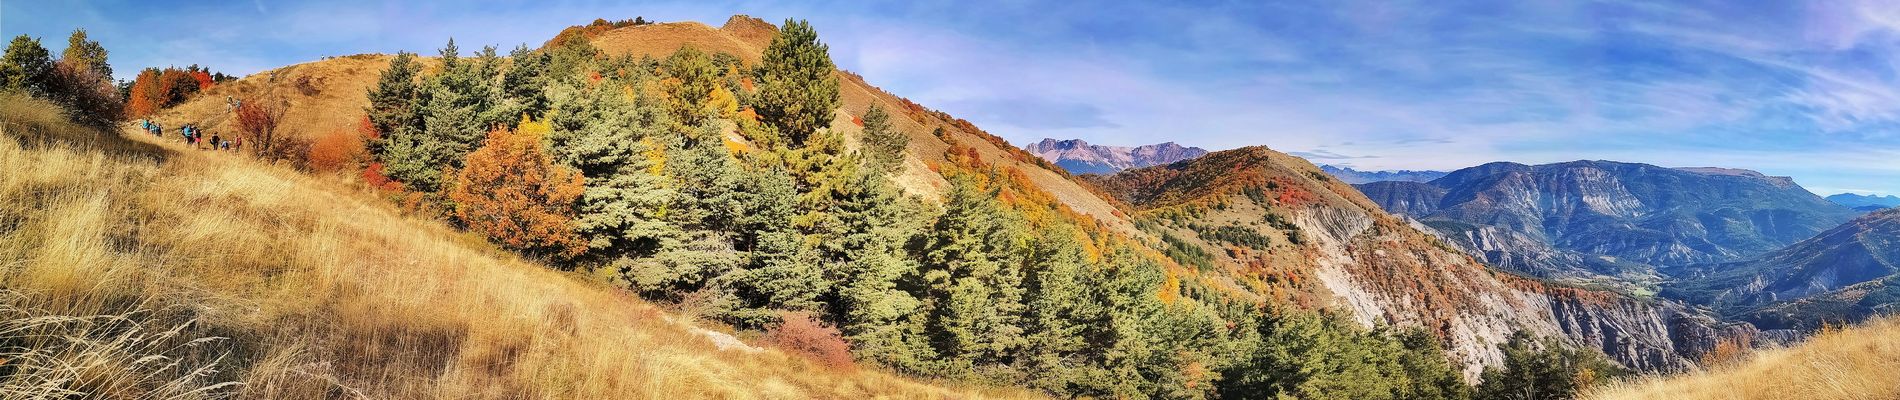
1611,223
1844,274
1277,226
291,286
1080,157
1861,362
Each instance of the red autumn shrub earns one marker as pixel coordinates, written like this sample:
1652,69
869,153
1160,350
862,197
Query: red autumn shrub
803,334
336,151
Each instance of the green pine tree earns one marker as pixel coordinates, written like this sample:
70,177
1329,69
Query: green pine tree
797,88
393,103
86,53
26,67
883,143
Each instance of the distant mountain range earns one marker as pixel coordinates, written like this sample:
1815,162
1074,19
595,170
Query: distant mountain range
1844,274
1080,157
1610,222
1355,177
1865,202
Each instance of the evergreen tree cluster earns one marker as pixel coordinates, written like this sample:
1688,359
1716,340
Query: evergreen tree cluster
740,201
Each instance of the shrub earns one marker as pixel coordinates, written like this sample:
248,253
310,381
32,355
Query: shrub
511,191
336,151
258,120
803,334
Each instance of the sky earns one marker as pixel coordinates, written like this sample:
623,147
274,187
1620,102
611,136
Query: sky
1803,89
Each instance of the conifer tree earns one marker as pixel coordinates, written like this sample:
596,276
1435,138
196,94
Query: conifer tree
26,67
797,90
393,102
618,145
524,85
85,53
692,79
883,143
970,262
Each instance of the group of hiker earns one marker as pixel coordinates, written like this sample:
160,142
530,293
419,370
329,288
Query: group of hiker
194,137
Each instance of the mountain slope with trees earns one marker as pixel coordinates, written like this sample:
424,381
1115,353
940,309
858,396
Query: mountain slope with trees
1611,223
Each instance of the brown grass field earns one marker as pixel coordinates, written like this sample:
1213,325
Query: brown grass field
1857,363
131,268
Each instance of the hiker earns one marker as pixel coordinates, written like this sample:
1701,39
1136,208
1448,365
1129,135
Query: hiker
226,144
240,144
214,141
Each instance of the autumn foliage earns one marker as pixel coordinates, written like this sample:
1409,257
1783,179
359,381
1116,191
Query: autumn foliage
155,89
511,191
336,151
258,119
801,333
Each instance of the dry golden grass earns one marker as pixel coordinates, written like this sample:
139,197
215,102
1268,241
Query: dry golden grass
167,271
1858,363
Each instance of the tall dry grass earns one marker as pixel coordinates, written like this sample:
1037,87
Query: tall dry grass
186,274
1857,363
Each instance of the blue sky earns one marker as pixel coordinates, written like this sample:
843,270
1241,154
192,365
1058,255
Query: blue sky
1810,90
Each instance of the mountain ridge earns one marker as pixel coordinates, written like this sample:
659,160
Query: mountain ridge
1079,157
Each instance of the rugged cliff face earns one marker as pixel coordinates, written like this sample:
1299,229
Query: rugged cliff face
1280,228
1080,157
1606,222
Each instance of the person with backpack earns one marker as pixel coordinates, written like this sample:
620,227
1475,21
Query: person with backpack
214,141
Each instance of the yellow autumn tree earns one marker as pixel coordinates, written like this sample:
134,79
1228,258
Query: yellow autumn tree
511,191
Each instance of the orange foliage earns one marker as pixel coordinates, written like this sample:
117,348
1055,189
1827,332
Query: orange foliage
335,151
511,191
154,89
801,333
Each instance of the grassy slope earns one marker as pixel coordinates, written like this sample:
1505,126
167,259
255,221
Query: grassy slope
1858,363
304,287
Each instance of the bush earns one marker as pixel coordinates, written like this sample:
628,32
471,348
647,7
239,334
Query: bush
258,120
803,334
336,151
510,190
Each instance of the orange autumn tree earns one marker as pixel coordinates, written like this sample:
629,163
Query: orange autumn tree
511,191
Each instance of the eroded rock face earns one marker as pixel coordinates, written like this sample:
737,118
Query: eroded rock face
1334,248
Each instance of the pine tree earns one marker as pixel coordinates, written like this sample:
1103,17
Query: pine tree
393,103
797,90
884,144
26,67
456,113
973,285
618,145
524,85
86,53
692,79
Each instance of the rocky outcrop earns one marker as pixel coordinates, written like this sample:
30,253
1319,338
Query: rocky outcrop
1080,157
